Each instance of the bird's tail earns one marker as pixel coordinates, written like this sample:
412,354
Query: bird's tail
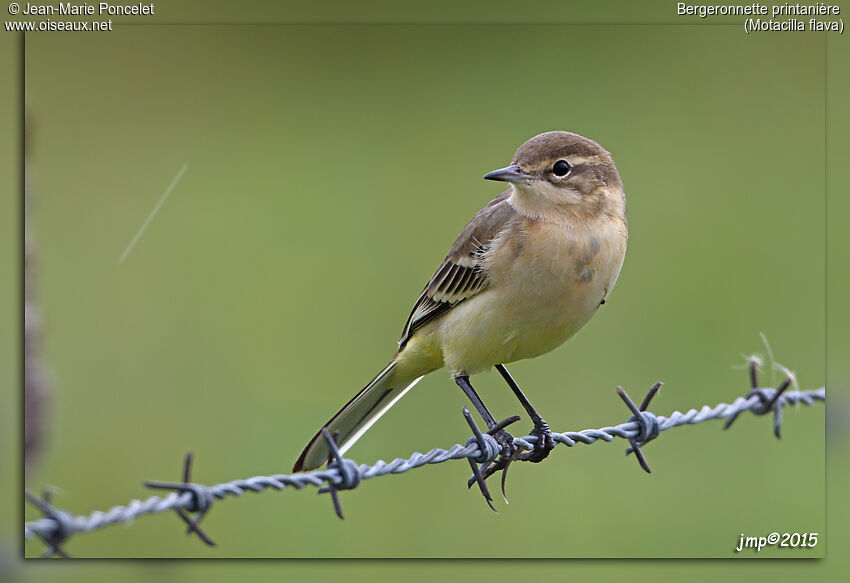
359,414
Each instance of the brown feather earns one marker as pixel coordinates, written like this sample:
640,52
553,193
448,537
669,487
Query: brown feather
452,282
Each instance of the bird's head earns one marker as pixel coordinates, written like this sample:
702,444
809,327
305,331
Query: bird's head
563,174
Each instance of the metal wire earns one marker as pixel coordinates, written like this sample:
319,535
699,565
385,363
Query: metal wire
57,526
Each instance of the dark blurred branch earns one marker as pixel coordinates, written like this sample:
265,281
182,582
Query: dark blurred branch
36,386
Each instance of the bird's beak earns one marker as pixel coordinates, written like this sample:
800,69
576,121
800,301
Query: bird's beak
510,173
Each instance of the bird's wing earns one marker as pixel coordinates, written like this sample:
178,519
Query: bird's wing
461,274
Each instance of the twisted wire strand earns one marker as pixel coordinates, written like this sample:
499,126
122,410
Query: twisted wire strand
57,526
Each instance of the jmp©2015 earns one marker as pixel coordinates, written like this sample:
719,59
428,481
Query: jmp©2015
792,540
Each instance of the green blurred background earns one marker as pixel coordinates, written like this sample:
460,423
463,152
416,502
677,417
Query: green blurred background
239,322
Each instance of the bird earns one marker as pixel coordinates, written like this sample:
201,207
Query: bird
524,275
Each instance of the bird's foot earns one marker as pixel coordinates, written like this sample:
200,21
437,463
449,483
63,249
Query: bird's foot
509,452
545,443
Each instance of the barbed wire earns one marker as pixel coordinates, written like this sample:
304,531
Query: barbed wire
192,501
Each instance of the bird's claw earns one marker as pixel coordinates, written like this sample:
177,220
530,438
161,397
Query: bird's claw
509,453
545,443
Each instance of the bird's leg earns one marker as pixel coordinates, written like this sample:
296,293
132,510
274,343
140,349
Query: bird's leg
464,384
505,439
545,442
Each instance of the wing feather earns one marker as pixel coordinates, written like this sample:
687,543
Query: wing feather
461,275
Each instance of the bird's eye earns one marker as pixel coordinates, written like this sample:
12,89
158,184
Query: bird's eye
561,168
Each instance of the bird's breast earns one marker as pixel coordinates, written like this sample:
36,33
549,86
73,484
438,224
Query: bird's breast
557,276
545,283
553,261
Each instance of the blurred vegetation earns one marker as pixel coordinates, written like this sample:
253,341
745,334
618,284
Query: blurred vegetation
327,176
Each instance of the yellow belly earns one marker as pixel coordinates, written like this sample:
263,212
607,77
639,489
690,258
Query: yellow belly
538,299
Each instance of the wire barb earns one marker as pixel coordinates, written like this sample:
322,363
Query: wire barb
199,502
489,450
348,471
506,449
648,425
63,521
768,399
